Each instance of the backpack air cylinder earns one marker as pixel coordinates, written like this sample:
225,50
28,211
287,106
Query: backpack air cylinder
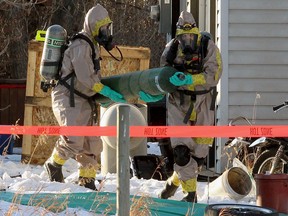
54,39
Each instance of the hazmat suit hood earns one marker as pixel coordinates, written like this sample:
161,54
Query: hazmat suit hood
187,34
186,24
96,17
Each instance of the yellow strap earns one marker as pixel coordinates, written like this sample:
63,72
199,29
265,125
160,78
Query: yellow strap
219,62
99,24
204,140
97,87
57,159
174,179
194,30
189,185
193,115
198,79
87,172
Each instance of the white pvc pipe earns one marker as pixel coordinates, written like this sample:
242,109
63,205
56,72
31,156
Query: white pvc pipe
138,146
183,5
123,168
204,15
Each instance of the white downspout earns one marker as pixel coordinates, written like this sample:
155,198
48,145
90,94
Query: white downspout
183,5
204,15
222,40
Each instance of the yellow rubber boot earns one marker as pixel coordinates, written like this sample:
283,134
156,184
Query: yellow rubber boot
87,178
53,167
189,187
171,186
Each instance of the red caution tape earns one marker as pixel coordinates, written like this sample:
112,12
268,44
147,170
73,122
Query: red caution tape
153,131
209,131
57,130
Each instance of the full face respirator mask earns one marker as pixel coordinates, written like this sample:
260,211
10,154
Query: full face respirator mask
105,37
188,41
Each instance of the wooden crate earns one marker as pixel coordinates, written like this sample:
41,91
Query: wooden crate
38,111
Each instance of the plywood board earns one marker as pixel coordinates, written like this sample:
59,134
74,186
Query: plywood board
36,149
33,71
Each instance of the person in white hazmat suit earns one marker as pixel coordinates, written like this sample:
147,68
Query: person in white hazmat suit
86,81
199,63
200,68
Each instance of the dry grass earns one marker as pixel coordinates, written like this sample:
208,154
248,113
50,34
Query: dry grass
140,206
225,212
55,204
49,204
241,152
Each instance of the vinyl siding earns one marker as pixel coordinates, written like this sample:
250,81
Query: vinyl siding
253,39
257,59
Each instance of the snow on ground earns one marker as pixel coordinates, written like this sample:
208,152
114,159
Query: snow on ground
29,179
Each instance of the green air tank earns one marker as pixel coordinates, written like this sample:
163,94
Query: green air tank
154,81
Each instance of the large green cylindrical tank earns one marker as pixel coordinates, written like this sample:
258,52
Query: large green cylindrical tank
154,81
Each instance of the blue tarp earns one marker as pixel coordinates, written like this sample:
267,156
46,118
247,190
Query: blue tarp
104,203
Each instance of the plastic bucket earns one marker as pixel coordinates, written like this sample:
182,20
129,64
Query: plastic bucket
234,182
272,191
6,143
